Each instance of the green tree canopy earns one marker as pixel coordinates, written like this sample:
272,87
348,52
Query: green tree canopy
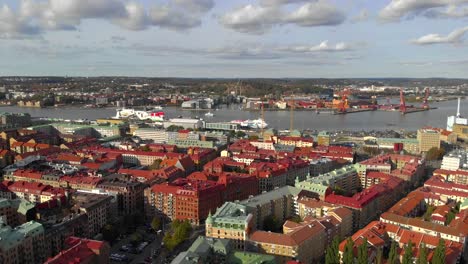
332,256
109,233
348,254
435,153
362,253
135,239
439,253
179,231
156,223
393,254
450,217
174,128
156,165
408,255
379,256
422,258
270,223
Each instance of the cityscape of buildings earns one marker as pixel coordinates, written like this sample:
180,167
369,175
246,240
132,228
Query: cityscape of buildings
259,196
233,132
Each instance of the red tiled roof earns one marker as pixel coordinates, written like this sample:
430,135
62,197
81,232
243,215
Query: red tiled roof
78,250
28,174
358,200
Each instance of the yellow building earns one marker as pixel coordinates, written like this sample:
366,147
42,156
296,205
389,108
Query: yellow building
304,242
110,121
428,138
323,139
231,221
461,131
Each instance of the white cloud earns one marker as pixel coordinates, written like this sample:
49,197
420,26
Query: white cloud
196,5
362,16
454,37
33,17
398,9
257,19
452,11
252,19
322,47
12,25
281,2
243,51
135,17
167,17
320,13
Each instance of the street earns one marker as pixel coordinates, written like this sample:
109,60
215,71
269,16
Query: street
148,251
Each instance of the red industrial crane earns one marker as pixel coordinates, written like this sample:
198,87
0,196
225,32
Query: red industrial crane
402,102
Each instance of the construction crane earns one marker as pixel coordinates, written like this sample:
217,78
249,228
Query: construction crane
344,102
425,104
402,102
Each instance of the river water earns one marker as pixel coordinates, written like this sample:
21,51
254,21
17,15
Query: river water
373,120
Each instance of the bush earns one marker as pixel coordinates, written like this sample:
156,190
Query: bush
109,233
180,231
435,153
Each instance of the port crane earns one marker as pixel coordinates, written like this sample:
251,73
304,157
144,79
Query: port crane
402,102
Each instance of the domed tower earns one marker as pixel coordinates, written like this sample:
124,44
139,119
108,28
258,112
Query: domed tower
209,224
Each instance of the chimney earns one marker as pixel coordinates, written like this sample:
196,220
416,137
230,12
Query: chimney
458,108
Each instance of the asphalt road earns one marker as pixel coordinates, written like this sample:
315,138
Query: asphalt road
136,258
161,255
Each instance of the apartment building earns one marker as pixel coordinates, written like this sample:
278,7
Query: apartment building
184,199
97,207
428,138
304,242
23,244
231,221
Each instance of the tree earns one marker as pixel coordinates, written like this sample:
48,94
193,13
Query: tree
295,219
408,255
435,153
156,223
174,128
427,215
109,233
422,258
362,252
348,254
439,253
179,231
135,239
156,165
332,255
253,137
145,148
393,255
270,223
450,217
240,134
379,256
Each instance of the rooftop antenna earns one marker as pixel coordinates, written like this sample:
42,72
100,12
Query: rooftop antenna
458,108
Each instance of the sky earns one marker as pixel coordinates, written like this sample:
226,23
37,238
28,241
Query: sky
235,38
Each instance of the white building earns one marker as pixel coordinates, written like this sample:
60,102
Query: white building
456,119
455,160
157,135
185,123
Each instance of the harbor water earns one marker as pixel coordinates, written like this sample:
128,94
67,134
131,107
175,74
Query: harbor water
372,120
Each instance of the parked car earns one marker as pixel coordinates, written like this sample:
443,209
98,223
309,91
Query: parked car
118,257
